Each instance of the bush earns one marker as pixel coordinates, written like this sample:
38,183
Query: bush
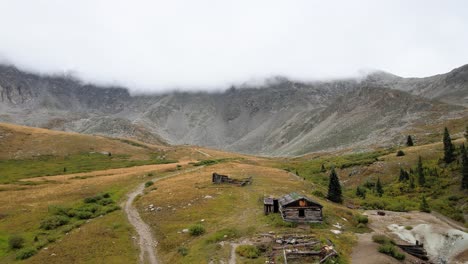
52,222
84,215
362,219
196,230
361,225
148,184
26,253
16,242
381,239
183,251
408,227
391,250
400,153
248,251
105,201
112,208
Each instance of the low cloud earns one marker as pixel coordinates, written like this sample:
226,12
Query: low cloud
154,46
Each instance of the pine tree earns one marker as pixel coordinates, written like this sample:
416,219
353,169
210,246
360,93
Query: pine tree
464,167
420,172
466,133
404,176
411,183
424,206
448,147
361,192
379,188
322,169
334,188
409,141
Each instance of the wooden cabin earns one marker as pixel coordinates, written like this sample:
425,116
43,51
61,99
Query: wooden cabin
218,178
270,205
294,207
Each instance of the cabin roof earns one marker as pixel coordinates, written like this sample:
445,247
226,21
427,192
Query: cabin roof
292,197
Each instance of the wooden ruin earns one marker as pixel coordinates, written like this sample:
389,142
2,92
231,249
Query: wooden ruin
219,179
295,248
415,250
294,207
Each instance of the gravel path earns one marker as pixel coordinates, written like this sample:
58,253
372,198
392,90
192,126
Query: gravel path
146,241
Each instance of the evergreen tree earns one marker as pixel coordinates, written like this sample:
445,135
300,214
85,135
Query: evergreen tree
379,188
448,147
361,192
322,169
464,167
409,141
424,206
420,172
404,176
466,133
334,188
411,183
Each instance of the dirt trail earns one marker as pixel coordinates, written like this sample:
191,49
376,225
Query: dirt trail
232,259
147,242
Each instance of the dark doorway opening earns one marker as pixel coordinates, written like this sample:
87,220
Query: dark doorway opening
301,213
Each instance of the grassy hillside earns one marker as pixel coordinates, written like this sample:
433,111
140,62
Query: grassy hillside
34,188
442,187
231,214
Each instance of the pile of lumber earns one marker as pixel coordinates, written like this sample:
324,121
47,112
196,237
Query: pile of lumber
415,250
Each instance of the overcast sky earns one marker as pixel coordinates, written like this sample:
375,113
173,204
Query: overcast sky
160,45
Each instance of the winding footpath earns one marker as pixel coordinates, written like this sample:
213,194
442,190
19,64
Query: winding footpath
147,242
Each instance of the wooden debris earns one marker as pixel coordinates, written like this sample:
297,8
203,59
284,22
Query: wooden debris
415,250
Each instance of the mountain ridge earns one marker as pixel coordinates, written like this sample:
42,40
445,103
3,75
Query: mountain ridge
285,117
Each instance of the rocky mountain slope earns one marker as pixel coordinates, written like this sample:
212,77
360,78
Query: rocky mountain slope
281,118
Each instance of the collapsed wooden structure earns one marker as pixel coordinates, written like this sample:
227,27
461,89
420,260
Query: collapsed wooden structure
219,179
415,250
294,207
295,248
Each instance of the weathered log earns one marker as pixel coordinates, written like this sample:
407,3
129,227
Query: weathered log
295,245
333,253
304,253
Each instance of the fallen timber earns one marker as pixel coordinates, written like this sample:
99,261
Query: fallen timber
415,250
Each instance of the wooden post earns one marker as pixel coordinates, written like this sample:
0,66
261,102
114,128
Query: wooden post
285,258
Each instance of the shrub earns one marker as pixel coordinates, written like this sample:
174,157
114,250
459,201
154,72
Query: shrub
84,214
391,250
52,222
111,209
106,195
400,153
361,225
105,201
148,184
26,253
362,219
183,251
381,239
408,227
16,242
90,199
196,230
248,251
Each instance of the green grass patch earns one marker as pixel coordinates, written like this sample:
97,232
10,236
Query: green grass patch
248,251
14,170
209,162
